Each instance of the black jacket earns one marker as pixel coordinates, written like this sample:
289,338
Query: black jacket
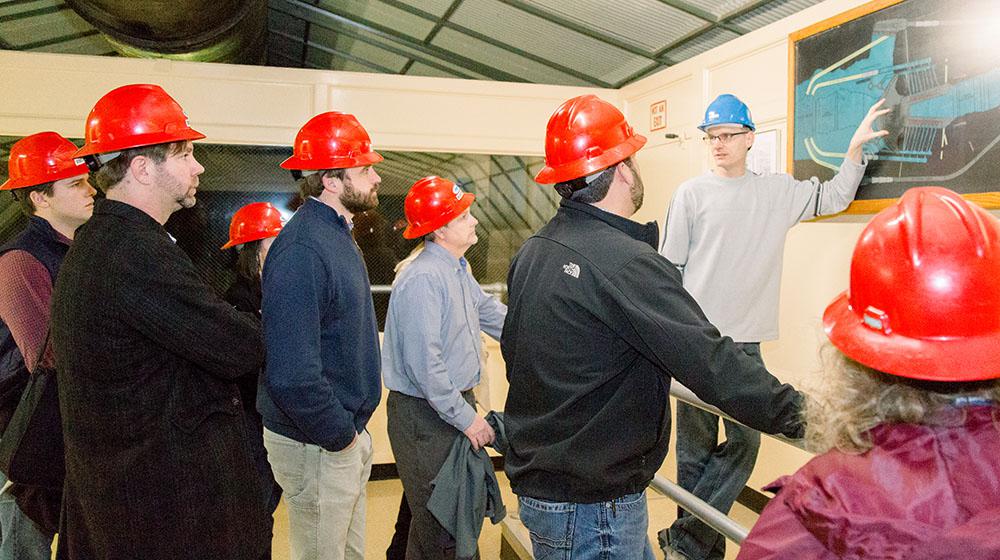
158,458
597,326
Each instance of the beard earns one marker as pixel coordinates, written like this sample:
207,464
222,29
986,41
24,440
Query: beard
188,200
183,195
354,201
637,190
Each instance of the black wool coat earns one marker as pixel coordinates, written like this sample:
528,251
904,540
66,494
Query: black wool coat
158,459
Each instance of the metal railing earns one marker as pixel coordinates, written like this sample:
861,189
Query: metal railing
697,507
497,288
712,517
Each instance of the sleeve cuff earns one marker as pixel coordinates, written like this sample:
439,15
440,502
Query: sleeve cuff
464,418
862,165
340,443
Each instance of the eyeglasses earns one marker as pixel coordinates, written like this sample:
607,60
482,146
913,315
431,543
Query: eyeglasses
725,137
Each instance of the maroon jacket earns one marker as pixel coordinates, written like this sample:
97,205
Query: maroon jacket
922,493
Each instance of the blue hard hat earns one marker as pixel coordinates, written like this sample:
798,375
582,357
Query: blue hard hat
727,109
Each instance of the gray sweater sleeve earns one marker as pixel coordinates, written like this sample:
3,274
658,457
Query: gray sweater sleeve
811,198
677,228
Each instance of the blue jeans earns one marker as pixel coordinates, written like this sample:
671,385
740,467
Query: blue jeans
614,530
715,472
20,538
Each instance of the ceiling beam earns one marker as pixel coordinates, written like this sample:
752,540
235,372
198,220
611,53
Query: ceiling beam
723,23
434,31
499,44
581,29
334,52
744,9
700,14
56,40
32,13
295,62
651,69
335,21
369,39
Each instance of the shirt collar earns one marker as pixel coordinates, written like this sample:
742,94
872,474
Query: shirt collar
441,253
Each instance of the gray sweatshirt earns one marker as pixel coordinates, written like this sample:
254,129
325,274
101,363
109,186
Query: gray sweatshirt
727,236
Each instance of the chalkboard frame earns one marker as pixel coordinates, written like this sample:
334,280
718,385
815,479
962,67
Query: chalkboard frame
871,206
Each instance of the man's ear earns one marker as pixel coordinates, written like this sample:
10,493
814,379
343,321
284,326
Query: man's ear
141,169
331,183
622,169
38,199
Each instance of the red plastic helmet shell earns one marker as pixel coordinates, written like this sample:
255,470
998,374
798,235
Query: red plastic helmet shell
133,116
924,300
41,158
584,135
332,140
257,220
433,202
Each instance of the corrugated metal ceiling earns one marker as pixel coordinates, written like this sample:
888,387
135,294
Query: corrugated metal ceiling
570,42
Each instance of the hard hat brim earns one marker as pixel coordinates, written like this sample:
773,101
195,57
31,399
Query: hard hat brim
585,166
139,141
248,238
363,160
14,184
412,232
957,359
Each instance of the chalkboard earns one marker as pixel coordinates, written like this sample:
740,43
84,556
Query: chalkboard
937,64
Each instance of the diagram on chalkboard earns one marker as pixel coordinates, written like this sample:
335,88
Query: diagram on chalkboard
937,64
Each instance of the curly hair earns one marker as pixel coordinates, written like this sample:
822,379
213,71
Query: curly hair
851,399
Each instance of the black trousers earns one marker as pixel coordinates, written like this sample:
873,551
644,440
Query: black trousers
420,442
401,532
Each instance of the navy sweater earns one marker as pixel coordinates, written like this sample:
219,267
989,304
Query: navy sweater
321,383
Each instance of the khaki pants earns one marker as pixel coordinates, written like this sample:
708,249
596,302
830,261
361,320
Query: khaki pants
325,494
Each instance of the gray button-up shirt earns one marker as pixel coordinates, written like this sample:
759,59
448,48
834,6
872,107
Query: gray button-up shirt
432,348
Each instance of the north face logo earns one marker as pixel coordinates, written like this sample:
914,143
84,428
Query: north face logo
572,269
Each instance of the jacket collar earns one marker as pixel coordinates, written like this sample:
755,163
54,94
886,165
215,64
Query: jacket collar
648,233
325,212
128,212
45,229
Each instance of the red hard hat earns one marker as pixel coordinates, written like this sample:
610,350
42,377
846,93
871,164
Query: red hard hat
133,116
257,220
41,158
433,202
924,296
584,135
331,141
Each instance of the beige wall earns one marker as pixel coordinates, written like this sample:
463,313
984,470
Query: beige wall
755,68
263,105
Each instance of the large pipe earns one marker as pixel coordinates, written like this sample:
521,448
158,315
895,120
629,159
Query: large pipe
215,31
